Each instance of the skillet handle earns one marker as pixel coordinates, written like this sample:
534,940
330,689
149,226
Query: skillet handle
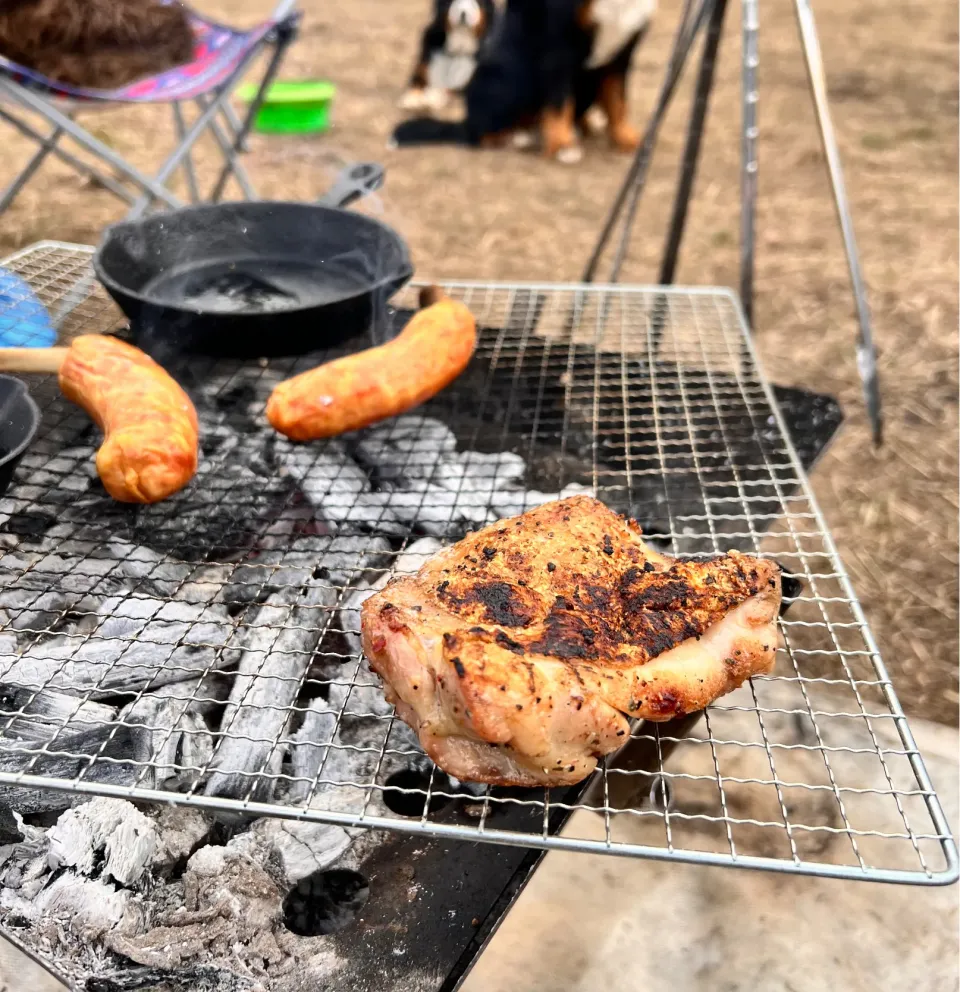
354,182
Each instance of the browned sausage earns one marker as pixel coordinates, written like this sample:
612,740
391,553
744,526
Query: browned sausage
149,450
353,392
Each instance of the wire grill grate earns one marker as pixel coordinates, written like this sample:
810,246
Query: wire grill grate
204,650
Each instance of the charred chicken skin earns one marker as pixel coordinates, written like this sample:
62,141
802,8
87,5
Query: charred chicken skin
520,653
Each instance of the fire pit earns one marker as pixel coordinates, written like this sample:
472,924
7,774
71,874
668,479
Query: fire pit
203,653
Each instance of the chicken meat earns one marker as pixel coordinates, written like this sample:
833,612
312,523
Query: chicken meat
520,654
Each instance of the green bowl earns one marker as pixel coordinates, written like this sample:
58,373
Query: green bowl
292,106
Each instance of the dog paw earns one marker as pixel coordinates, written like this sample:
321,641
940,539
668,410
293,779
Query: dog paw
594,121
523,140
413,100
570,155
435,99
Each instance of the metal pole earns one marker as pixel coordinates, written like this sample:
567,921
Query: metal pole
691,151
636,174
748,152
866,352
661,111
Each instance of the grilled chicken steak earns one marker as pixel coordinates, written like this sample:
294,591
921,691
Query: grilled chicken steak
519,654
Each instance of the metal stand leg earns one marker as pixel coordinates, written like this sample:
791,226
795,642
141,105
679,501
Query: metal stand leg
688,169
235,124
748,173
632,186
691,151
866,352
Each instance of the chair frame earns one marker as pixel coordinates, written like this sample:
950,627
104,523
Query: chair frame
216,115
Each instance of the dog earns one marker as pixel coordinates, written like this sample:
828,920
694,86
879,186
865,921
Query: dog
96,44
450,47
549,65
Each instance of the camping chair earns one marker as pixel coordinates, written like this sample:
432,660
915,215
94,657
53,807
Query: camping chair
222,56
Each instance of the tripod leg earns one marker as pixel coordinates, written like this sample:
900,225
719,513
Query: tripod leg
688,169
866,353
748,153
691,151
632,186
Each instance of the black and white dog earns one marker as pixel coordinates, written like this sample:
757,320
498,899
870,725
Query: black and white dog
450,46
550,66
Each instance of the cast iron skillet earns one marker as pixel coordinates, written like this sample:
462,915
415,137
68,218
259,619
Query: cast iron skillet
19,420
255,279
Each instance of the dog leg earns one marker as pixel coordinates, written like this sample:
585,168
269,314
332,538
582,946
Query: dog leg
415,98
559,136
613,101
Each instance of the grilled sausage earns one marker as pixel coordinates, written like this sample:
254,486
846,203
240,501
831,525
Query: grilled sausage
149,450
356,391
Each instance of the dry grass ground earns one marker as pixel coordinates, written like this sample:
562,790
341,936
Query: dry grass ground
893,81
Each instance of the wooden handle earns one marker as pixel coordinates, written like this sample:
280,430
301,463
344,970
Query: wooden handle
32,359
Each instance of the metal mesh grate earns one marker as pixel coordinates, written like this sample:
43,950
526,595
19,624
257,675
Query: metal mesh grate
205,650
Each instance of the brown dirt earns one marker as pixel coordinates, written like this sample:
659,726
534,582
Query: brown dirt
892,74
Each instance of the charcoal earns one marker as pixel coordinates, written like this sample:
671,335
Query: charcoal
407,562
275,649
36,614
137,644
309,746
34,715
298,848
172,741
406,448
10,832
334,559
338,488
69,757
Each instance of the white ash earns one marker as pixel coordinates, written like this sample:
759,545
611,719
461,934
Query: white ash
111,829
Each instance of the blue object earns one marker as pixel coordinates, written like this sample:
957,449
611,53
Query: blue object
24,323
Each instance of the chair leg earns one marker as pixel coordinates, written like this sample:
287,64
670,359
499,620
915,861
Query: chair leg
32,101
231,157
10,193
188,172
276,59
78,165
198,127
234,124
